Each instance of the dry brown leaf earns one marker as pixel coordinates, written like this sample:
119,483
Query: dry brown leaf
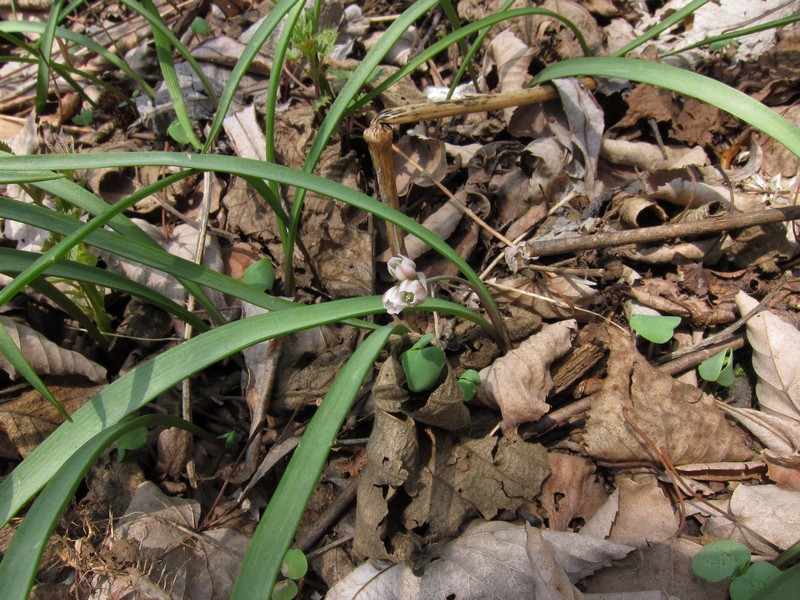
28,419
776,359
649,157
673,415
161,530
511,57
495,557
571,491
550,581
645,514
45,357
519,382
245,134
554,297
427,153
783,470
767,517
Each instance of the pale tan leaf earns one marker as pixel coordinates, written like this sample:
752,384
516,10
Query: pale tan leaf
550,581
488,560
778,433
768,517
245,134
427,165
45,357
776,359
511,56
645,514
519,382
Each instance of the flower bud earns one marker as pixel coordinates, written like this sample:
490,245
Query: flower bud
402,268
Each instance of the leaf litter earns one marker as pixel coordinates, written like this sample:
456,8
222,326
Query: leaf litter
603,454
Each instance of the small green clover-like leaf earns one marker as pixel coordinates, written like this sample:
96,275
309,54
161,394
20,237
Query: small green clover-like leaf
422,365
295,564
655,328
133,440
469,383
231,439
286,589
200,26
720,560
753,580
178,133
261,274
718,368
84,118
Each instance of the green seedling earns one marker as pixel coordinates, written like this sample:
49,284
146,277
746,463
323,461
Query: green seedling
231,439
200,27
727,559
422,364
655,328
133,440
294,568
178,133
261,275
84,118
469,383
718,368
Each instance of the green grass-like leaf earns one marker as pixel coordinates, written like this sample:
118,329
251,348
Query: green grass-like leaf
685,82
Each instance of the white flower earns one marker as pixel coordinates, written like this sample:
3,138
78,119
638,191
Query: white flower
402,268
406,293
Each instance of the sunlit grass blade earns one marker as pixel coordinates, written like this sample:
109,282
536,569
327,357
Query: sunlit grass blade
14,356
164,57
248,55
20,563
738,33
151,378
275,532
450,39
81,40
78,196
46,50
13,262
253,168
158,25
56,296
685,82
661,26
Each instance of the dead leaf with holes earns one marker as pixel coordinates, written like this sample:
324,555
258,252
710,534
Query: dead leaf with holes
571,492
666,413
519,382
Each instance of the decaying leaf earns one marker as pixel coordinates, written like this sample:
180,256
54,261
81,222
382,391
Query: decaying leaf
28,419
672,415
550,581
160,530
45,357
488,560
644,514
427,153
767,517
519,382
572,491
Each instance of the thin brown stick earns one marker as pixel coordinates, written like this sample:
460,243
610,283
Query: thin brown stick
661,233
472,104
379,138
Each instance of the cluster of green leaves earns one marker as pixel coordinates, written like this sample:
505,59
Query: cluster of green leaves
423,365
293,569
54,470
726,559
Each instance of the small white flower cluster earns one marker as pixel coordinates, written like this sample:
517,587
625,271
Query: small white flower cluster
411,289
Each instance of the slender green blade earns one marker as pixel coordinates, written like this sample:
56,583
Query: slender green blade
685,82
46,51
275,532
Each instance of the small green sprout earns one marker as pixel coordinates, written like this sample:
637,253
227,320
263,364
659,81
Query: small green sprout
294,568
720,560
200,27
178,133
231,439
422,364
133,440
84,118
469,382
655,328
718,368
261,274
